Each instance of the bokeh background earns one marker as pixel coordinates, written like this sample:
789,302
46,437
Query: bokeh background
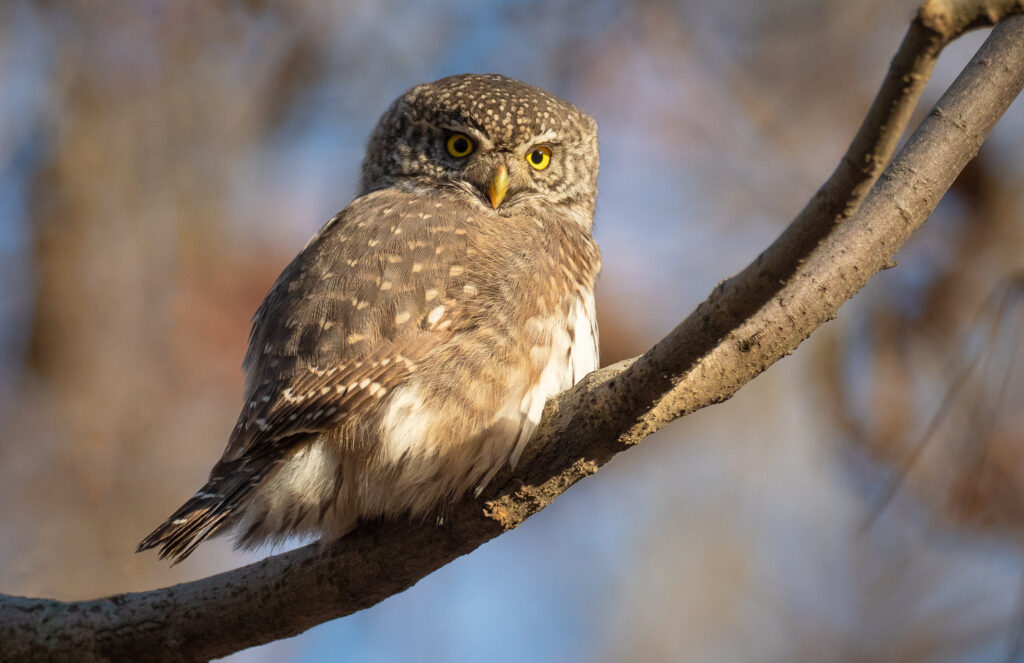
160,163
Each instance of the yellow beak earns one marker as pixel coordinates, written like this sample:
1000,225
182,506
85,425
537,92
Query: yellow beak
498,187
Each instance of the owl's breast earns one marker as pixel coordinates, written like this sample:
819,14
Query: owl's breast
568,352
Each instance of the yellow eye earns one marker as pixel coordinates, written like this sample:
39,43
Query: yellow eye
459,145
539,157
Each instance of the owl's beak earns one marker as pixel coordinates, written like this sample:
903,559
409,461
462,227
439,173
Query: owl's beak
499,186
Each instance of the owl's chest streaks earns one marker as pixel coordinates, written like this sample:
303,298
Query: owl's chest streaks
532,334
530,265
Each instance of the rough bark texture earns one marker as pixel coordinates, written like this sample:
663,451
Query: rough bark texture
849,231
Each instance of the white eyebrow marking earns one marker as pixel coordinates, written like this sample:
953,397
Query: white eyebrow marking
542,137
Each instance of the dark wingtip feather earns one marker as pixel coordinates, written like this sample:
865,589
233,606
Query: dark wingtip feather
197,520
208,513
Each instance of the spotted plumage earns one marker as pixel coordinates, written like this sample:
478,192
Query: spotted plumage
407,352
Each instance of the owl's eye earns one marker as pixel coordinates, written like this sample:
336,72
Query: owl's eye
539,157
459,145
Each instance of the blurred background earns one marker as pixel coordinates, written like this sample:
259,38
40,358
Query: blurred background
863,500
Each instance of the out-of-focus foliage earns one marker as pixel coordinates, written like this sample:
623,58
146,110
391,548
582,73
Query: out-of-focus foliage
160,163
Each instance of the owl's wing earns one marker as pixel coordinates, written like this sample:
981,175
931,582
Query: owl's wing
373,292
321,397
378,288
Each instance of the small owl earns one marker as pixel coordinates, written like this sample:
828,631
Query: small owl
407,352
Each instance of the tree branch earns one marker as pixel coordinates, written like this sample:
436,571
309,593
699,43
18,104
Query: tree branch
849,231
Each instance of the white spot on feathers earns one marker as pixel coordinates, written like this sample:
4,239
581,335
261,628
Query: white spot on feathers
404,425
435,315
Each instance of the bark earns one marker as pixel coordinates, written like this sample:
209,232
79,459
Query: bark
849,230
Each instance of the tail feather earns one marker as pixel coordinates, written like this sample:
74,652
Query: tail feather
209,512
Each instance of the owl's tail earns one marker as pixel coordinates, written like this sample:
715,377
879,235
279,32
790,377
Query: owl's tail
209,512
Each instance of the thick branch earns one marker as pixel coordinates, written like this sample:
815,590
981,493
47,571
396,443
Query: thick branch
746,324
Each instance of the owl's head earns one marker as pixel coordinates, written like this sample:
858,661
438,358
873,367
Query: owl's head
506,145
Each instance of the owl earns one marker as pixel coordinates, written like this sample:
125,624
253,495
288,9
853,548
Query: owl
405,355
